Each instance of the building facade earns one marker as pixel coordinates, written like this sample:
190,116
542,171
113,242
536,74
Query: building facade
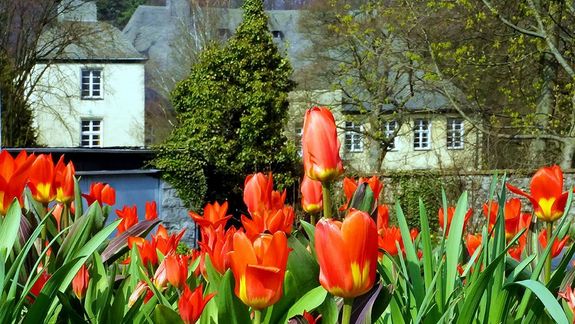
92,93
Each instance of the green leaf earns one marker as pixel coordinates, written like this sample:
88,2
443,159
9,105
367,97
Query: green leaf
329,310
310,301
453,249
166,315
9,228
230,308
552,307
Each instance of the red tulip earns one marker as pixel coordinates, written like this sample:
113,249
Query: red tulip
350,186
347,254
472,243
166,243
569,296
41,180
387,239
311,196
80,282
546,193
147,250
515,221
129,216
64,181
557,244
320,145
38,285
269,221
450,213
177,269
258,191
516,251
382,216
216,243
102,193
214,215
191,304
13,177
259,268
151,210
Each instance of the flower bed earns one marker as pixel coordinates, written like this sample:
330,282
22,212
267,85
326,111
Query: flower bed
345,264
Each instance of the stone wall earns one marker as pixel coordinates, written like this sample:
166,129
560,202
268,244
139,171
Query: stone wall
477,185
174,214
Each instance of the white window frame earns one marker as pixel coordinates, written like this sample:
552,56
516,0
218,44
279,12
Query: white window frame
91,133
455,133
92,82
353,137
422,134
390,133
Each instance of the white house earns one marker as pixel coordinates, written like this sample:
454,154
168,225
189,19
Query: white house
92,93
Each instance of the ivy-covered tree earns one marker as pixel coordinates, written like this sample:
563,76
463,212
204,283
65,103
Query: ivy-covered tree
231,111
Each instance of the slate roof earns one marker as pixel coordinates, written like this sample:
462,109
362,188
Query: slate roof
98,41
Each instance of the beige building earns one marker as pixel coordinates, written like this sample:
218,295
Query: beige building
423,139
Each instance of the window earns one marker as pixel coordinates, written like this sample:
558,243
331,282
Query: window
277,34
298,139
389,129
91,133
454,133
353,137
421,135
91,84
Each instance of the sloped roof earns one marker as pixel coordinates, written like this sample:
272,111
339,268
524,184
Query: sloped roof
92,41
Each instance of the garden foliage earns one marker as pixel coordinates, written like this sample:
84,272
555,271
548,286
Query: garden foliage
231,112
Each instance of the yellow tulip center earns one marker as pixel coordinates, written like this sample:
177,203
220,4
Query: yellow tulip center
546,212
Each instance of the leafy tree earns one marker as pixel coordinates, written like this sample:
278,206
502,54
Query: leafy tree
231,111
514,62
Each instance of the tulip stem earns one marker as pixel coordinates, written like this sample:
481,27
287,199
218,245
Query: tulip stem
550,256
326,199
347,305
257,316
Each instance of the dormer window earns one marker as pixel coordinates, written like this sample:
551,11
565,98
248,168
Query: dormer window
277,35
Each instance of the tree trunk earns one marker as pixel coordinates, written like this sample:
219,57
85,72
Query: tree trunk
567,153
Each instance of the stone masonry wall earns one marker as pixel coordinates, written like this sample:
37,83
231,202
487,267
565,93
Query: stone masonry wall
174,214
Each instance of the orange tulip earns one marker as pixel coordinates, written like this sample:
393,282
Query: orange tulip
151,210
192,304
269,221
102,193
80,282
546,193
64,181
557,244
129,216
320,145
472,243
515,221
259,268
177,269
41,180
347,254
216,243
214,215
350,186
13,177
450,213
311,196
